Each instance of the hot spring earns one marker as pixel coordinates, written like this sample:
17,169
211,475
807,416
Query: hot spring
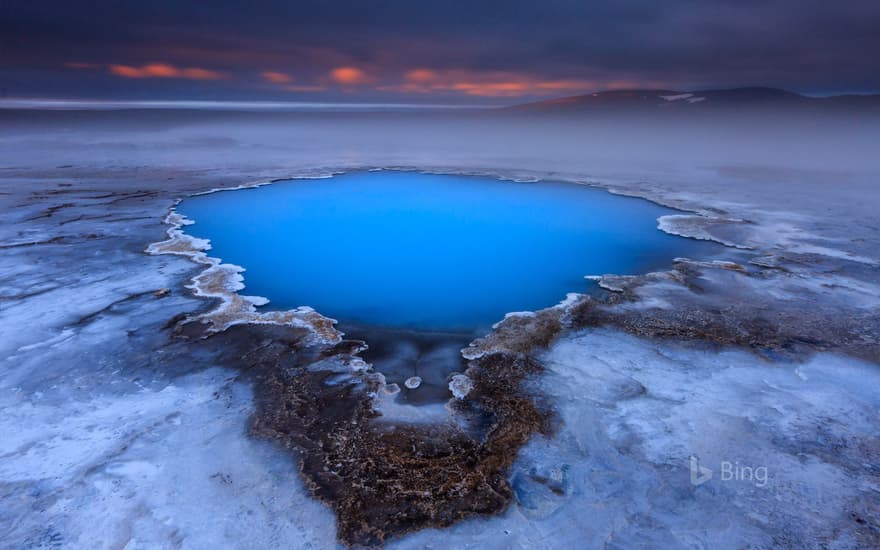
425,252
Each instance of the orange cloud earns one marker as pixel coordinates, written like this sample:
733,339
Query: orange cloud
497,84
420,76
492,89
350,76
276,77
164,70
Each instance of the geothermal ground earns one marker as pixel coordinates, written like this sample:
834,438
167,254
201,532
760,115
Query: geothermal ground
726,403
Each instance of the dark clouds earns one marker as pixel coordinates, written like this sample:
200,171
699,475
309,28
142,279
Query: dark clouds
470,49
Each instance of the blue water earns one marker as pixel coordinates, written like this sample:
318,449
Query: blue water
428,252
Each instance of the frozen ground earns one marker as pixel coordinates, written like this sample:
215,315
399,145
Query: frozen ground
119,435
634,412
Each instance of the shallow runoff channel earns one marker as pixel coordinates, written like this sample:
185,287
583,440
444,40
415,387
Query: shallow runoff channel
418,265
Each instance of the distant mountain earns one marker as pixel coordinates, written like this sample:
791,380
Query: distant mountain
695,100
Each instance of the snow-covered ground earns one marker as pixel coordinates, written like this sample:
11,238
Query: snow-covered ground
119,435
792,447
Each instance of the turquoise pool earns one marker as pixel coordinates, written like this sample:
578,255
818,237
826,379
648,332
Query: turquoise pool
428,252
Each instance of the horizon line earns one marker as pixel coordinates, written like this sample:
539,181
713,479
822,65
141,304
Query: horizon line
24,103
96,104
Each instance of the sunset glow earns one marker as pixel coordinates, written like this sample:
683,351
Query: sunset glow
275,77
417,81
493,84
350,76
441,52
164,70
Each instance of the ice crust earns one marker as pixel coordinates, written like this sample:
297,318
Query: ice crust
223,281
633,411
154,468
116,435
460,386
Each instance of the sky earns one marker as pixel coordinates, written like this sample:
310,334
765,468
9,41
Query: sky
446,52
